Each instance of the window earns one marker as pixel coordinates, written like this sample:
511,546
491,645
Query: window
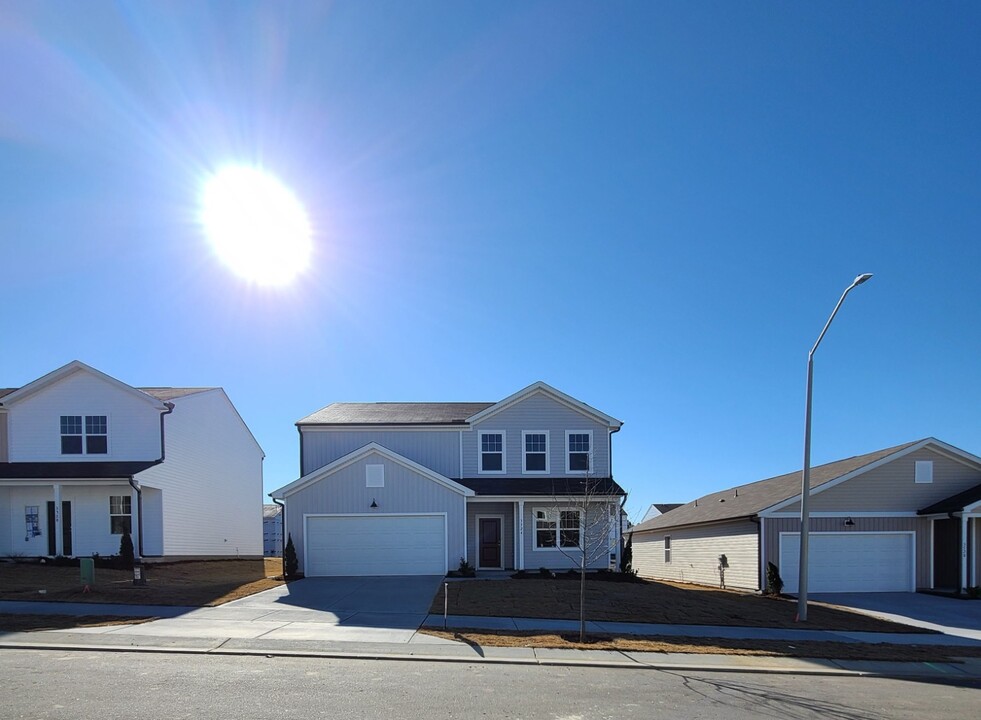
923,471
374,476
535,451
120,514
93,441
578,451
492,452
557,529
667,549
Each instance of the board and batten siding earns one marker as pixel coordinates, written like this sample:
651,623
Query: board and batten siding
438,450
695,554
535,413
211,481
34,423
891,487
503,510
919,525
405,491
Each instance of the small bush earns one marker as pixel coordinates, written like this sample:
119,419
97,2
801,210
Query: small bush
627,556
774,583
127,555
545,572
466,569
290,562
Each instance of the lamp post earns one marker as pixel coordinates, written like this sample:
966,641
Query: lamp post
805,481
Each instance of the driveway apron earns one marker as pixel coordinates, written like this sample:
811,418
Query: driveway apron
951,616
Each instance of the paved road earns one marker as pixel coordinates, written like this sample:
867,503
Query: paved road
56,684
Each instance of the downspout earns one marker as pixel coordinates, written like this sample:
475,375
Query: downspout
138,576
282,535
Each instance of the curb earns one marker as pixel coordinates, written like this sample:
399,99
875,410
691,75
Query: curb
550,662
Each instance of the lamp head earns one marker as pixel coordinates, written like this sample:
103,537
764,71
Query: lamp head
862,278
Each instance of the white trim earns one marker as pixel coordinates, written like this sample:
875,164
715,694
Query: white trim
86,456
666,546
446,538
93,483
558,528
480,452
378,427
521,534
524,452
534,498
763,554
545,389
974,551
515,510
500,552
933,532
589,454
910,533
71,368
923,472
353,457
845,513
938,446
973,507
461,455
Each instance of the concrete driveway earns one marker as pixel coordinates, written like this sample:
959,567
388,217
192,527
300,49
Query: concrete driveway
348,609
933,612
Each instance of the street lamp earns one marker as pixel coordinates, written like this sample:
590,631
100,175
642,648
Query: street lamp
805,480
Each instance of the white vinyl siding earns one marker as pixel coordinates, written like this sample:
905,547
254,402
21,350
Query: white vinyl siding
850,562
694,554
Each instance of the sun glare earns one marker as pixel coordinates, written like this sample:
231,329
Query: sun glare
256,225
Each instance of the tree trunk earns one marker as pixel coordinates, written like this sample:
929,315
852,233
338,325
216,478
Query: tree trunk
582,598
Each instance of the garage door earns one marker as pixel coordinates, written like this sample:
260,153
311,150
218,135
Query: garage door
850,562
375,545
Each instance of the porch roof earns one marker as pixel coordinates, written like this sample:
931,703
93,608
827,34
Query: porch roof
955,503
72,470
543,487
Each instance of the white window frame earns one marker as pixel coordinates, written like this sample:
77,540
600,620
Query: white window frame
524,452
667,549
923,472
589,454
554,515
121,514
480,452
84,435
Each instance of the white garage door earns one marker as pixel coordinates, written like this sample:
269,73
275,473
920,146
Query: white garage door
850,562
339,545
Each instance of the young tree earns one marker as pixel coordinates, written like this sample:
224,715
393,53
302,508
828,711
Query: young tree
290,562
586,522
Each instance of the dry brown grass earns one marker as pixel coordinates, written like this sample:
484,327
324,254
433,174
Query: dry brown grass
710,646
30,623
645,602
200,583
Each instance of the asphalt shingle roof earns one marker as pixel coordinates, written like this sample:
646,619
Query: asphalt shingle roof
543,487
955,503
394,413
73,470
171,393
748,500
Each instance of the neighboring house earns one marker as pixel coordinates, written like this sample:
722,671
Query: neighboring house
414,488
896,520
658,509
272,530
85,458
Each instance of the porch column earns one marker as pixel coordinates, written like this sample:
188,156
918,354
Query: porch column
135,523
521,534
963,585
516,519
974,551
59,534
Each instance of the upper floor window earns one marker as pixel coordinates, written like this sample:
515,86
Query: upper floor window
535,452
578,451
90,437
492,452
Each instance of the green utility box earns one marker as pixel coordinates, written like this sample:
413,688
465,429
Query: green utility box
87,566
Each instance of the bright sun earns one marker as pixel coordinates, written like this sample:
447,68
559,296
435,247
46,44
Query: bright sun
256,225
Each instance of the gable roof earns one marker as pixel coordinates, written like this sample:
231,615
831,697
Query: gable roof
546,389
955,503
363,452
657,509
394,413
173,393
750,500
75,366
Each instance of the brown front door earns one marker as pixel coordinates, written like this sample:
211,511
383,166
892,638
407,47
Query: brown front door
489,531
946,554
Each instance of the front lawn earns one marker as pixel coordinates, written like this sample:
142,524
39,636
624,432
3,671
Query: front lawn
645,602
199,583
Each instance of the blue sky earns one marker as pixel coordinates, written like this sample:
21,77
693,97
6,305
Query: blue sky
650,206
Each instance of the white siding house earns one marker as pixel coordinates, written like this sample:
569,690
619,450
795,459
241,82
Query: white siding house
83,454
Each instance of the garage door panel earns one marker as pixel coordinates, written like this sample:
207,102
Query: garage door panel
376,545
850,562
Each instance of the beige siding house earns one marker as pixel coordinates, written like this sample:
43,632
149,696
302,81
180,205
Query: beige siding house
896,520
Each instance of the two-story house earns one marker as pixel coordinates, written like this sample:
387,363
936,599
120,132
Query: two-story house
85,458
414,488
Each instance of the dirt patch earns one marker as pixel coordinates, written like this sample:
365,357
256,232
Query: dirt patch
646,602
28,623
201,583
711,646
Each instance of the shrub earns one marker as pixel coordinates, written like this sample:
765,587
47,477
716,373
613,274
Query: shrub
627,556
127,556
774,583
290,563
466,569
545,572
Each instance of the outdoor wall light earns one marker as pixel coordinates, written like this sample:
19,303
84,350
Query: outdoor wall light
849,523
373,504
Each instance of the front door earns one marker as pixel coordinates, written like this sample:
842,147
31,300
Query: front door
490,542
946,554
66,528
